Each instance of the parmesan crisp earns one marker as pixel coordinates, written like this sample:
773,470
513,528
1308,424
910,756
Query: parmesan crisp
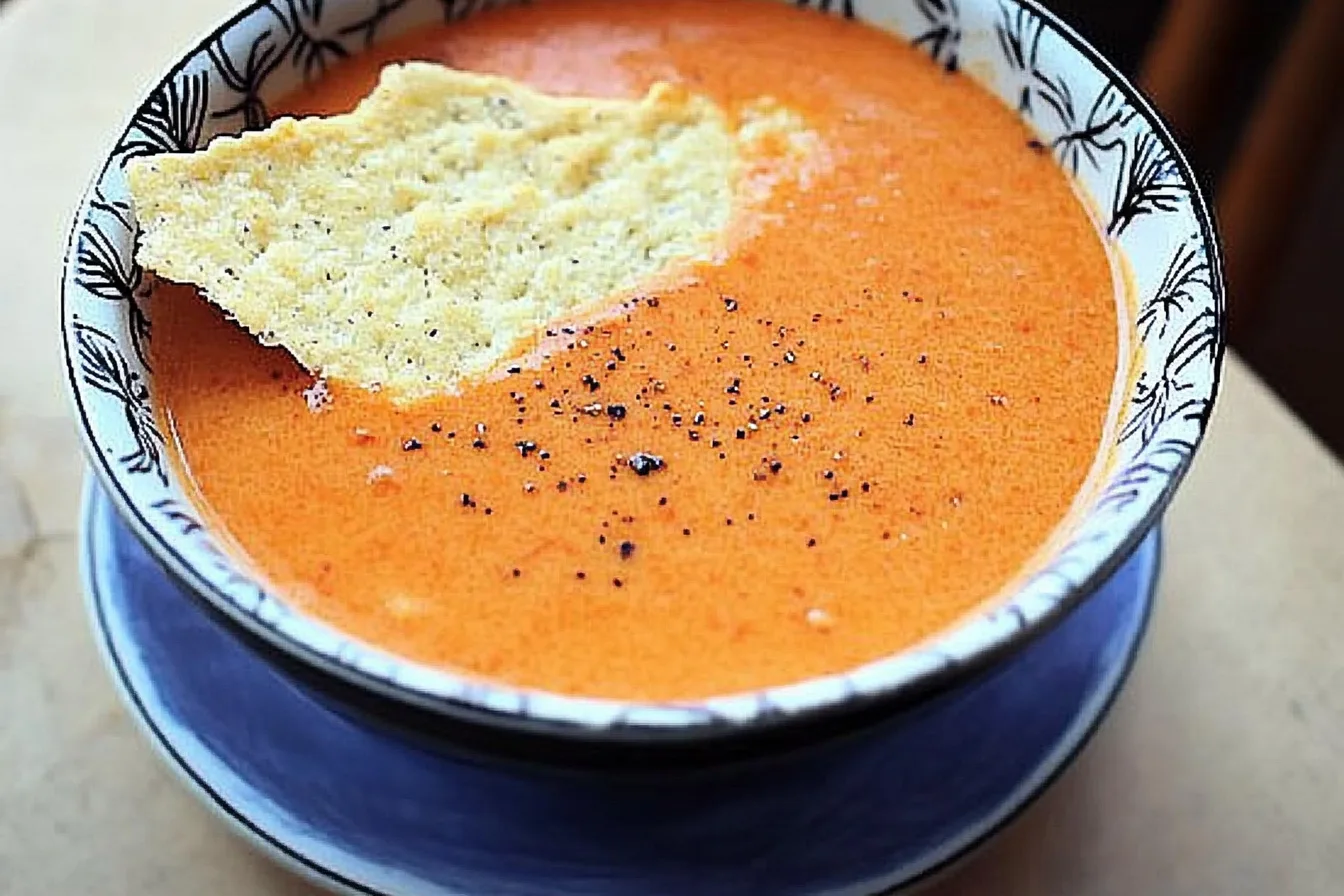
419,240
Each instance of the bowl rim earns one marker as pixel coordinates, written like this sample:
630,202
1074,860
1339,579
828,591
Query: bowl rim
549,715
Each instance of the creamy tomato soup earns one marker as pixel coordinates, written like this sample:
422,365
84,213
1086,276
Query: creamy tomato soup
852,431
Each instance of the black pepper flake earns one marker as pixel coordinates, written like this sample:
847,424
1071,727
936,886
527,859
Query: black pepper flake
411,445
790,357
627,550
694,436
620,355
644,463
489,510
562,486
828,474
616,411
751,516
844,493
866,488
611,365
538,385
580,575
811,542
835,392
685,531
514,369
715,443
1036,146
923,359
517,572
807,418
776,465
602,539
699,419
662,502
591,382
676,419
869,398
741,433
555,403
467,501
525,447
735,387
478,443
728,521
834,496
452,435
436,427
763,413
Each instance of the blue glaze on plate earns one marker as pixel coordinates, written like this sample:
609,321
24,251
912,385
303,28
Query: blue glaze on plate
363,811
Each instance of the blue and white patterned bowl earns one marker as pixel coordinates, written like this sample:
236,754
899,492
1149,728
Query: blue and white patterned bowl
1084,112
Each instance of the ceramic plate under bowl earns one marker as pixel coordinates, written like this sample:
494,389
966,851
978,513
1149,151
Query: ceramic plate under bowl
363,811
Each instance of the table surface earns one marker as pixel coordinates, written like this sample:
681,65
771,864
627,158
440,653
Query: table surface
1216,773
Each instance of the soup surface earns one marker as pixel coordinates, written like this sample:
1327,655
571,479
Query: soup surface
851,432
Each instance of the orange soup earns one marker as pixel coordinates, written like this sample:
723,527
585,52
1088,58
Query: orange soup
834,443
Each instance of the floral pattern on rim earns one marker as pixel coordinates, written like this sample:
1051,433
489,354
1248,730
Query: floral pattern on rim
844,7
1119,151
942,34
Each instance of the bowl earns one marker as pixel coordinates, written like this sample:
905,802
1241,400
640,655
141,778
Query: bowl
1083,112
358,809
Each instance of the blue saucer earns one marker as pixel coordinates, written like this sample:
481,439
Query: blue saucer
362,811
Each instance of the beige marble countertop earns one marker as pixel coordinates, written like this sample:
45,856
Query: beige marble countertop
1221,770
